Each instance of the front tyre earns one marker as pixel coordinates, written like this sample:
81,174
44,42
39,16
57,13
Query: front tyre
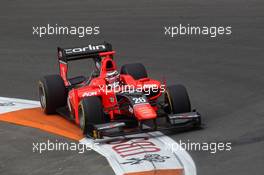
177,98
52,93
90,113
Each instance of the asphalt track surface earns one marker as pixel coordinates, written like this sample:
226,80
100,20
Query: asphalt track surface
224,75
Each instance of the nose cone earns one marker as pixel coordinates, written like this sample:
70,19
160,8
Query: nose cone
144,112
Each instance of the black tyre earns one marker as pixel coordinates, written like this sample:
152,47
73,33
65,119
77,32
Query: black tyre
52,93
177,98
136,70
90,112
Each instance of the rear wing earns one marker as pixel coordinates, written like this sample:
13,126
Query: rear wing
88,51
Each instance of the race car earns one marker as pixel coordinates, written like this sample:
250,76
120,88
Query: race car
110,102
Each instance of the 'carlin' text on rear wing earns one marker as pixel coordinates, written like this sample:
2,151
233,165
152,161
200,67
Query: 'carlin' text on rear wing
88,51
94,51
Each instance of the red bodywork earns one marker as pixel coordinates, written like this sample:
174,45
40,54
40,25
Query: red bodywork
142,111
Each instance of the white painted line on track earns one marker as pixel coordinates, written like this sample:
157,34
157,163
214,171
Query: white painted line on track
14,104
181,154
143,152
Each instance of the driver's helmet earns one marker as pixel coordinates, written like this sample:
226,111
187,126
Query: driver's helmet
112,77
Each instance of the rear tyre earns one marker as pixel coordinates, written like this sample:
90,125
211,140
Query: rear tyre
90,112
52,93
177,98
136,70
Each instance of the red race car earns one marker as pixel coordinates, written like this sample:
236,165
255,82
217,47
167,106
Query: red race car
109,103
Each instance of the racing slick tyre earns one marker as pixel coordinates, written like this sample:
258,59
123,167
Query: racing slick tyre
90,112
52,93
136,70
177,98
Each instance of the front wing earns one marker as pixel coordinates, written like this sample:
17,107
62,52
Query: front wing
171,122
